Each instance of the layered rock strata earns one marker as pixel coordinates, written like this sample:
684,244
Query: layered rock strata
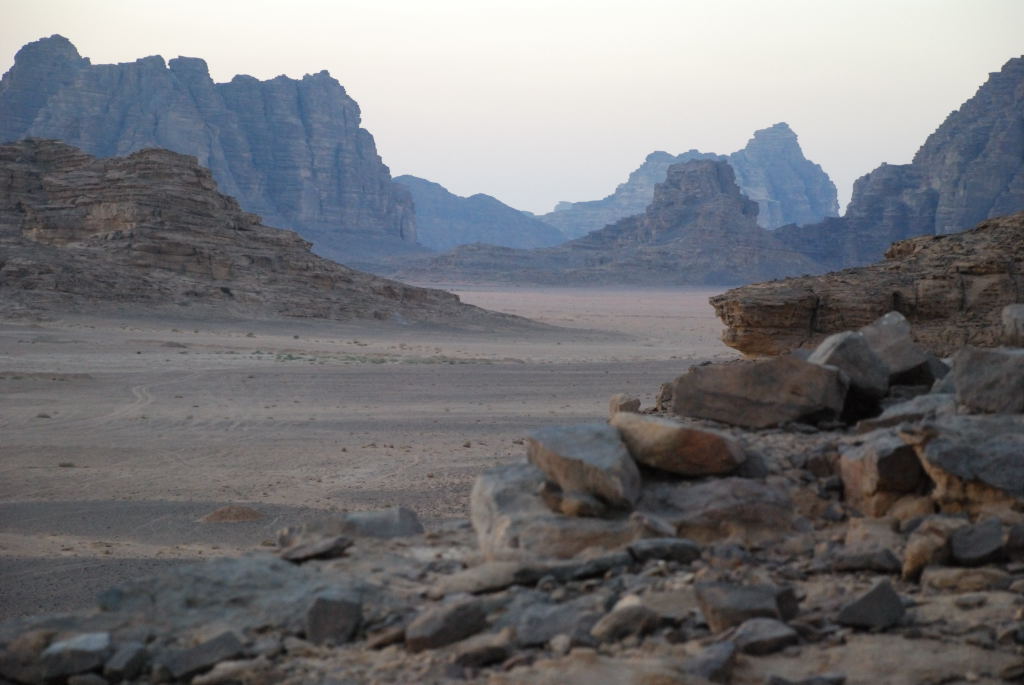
152,229
289,150
771,170
951,288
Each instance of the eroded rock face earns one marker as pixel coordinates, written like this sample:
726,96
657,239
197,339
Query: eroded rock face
289,150
771,170
152,228
951,288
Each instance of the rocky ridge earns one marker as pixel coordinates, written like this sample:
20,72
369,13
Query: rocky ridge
831,545
151,228
771,170
445,220
699,229
951,288
289,150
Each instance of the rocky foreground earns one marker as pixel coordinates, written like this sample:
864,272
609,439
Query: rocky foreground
151,229
951,288
854,516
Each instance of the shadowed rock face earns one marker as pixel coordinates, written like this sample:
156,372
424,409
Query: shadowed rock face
771,170
151,228
289,150
699,229
951,288
970,169
445,220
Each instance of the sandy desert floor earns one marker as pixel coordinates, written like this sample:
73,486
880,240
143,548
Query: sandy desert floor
118,435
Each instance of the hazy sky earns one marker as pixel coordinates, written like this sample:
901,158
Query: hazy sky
535,101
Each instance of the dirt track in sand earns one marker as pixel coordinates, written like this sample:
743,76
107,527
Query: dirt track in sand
119,435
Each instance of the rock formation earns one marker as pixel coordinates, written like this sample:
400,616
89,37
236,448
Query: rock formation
151,228
289,150
771,170
445,220
969,170
951,288
699,229
825,556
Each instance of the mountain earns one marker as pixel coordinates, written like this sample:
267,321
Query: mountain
770,170
970,169
698,229
445,220
151,229
289,150
950,287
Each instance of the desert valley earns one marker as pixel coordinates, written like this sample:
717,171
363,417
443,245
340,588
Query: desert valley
271,415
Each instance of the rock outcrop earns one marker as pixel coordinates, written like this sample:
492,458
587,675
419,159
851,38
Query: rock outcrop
771,170
445,220
151,228
699,229
289,150
952,289
970,169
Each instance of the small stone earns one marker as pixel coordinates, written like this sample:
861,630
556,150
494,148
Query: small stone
970,601
75,655
327,548
333,619
669,549
978,544
184,663
713,663
677,448
929,544
444,624
484,650
824,679
622,403
560,644
764,636
725,605
878,560
625,621
232,513
393,522
877,609
978,579
588,458
127,662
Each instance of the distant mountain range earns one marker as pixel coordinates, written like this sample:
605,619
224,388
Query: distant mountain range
771,170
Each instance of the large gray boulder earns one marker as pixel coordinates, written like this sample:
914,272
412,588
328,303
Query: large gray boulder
990,381
909,363
759,394
587,458
850,353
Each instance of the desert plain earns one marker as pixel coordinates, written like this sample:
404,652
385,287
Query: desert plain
120,433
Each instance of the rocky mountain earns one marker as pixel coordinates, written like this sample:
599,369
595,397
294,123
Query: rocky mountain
151,229
970,169
289,150
770,170
445,220
699,229
950,287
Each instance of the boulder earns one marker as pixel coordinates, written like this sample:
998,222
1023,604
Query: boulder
75,655
444,624
333,619
990,381
1013,325
677,448
921,407
978,544
512,521
877,609
587,458
725,605
126,663
185,663
850,353
889,337
759,394
879,471
760,636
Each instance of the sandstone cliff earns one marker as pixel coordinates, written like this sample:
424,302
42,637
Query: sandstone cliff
289,150
445,220
970,169
771,170
950,287
699,229
151,228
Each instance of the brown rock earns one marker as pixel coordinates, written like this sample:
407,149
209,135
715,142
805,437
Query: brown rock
879,471
671,446
623,403
760,394
929,544
965,579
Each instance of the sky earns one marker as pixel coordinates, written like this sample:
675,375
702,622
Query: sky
536,101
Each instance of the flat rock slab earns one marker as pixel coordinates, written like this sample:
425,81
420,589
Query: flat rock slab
588,458
445,624
850,353
760,394
990,381
877,609
677,448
